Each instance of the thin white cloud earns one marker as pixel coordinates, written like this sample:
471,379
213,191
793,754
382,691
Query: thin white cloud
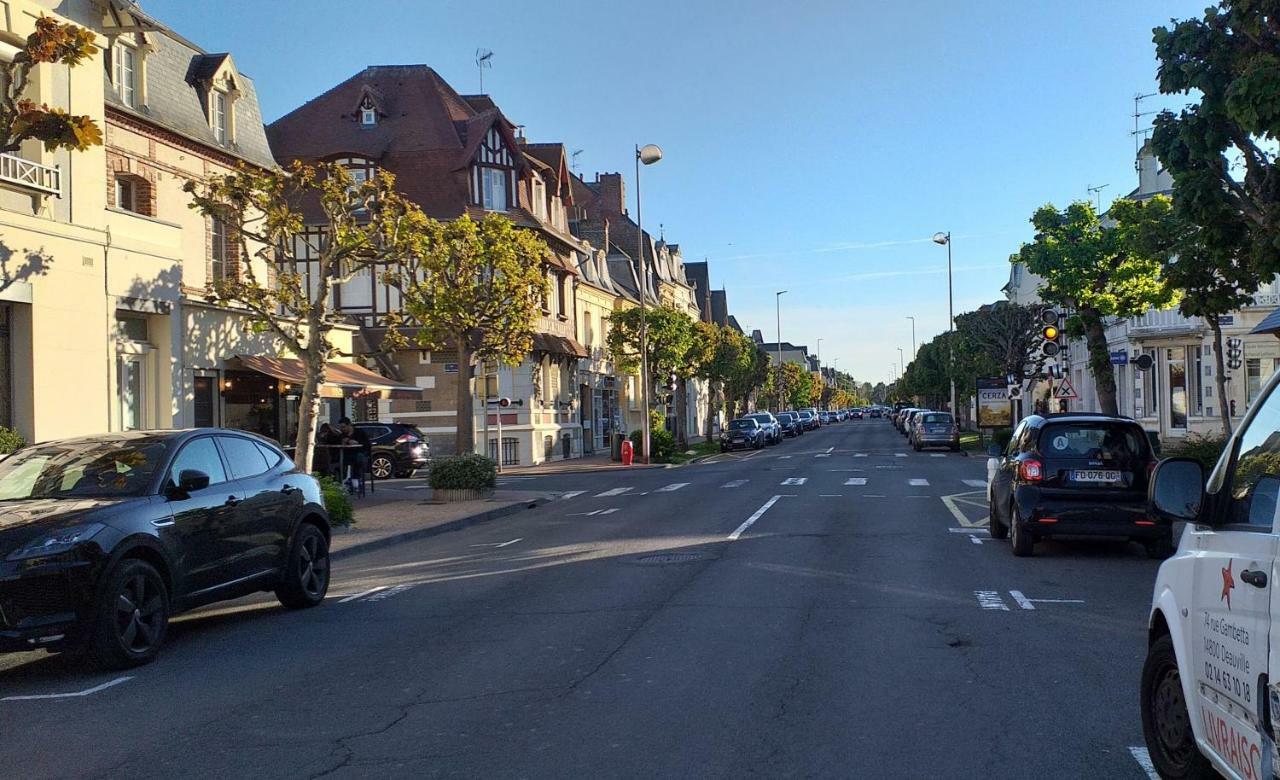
826,280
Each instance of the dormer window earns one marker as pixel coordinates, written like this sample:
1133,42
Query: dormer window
125,73
368,117
494,173
218,116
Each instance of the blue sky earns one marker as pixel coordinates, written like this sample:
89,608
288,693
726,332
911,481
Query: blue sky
813,147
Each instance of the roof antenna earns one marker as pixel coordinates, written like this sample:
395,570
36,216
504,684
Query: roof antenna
573,160
1140,133
1097,191
482,61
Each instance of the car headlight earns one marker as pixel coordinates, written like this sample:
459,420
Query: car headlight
57,542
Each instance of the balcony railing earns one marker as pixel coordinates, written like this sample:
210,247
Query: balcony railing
31,175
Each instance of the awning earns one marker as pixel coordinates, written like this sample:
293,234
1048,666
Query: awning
558,345
342,380
1270,324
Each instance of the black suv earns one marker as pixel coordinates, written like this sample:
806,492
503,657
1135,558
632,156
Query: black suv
398,449
102,539
1075,475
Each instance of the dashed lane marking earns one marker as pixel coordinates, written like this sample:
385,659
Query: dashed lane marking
937,455
856,481
918,482
673,487
899,454
573,494
979,483
751,520
991,599
1143,757
823,455
735,483
784,457
72,695
795,480
613,492
859,454
609,511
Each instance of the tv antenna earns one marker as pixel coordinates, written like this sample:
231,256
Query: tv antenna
483,57
1140,132
573,160
1098,192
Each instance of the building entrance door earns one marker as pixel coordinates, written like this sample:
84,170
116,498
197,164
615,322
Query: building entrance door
1176,372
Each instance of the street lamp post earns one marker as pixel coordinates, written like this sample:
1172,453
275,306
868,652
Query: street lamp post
777,298
647,154
913,336
945,239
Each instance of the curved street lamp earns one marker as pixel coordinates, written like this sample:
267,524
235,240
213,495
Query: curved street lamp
647,154
945,240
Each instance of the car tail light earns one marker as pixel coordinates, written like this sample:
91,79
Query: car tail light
1144,522
1048,520
1031,470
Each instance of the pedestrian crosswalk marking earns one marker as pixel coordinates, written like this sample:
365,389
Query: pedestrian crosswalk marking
937,455
784,457
795,480
899,454
573,494
975,482
614,492
823,455
856,481
734,483
859,454
609,511
918,482
674,486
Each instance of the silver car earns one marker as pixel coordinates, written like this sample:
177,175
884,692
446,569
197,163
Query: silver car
935,429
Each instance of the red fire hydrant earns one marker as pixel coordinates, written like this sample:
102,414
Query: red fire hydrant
627,453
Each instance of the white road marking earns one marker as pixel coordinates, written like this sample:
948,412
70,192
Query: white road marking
969,530
751,520
990,599
1143,758
795,480
614,492
918,482
735,483
673,487
830,495
975,540
507,544
573,494
937,455
784,457
74,695
609,511
823,455
859,454
856,481
975,482
368,592
899,454
389,592
1022,600
950,502
829,450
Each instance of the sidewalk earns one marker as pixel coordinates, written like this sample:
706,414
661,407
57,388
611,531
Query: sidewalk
575,465
381,523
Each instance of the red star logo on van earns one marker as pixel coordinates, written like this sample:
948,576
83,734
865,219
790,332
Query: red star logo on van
1228,582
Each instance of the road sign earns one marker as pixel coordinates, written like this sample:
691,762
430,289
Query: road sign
1064,390
1119,357
1014,392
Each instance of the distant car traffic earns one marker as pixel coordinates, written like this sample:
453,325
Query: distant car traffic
936,429
1075,475
104,538
742,432
772,429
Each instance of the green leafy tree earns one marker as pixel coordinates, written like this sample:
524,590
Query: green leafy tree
730,362
1099,269
365,227
23,119
476,287
671,339
797,387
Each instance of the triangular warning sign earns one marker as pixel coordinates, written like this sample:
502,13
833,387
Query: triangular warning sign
1064,390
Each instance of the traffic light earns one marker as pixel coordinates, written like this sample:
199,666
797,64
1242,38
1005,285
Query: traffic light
671,382
1235,353
1049,333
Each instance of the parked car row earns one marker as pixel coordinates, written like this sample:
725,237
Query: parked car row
927,428
762,429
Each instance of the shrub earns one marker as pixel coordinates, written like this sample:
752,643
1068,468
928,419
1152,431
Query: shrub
10,440
661,440
1204,448
464,472
337,502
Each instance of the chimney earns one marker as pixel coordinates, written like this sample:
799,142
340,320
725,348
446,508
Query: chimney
613,194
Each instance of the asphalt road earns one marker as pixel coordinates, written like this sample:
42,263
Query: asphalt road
853,628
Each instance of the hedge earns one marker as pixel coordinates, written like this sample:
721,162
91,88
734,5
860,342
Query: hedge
463,472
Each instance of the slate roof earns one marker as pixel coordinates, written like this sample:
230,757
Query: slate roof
720,307
175,99
699,278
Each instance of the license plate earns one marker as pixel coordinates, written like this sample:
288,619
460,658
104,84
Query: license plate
1095,475
738,440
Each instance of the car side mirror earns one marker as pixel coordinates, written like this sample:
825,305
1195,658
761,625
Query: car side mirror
1176,492
189,481
994,451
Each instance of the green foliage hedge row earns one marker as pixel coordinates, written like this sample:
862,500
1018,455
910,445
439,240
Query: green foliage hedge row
337,502
10,441
464,472
1204,448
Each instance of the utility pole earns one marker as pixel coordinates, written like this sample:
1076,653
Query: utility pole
777,297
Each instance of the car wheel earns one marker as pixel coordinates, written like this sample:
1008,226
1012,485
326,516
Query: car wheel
1166,723
1023,544
306,575
130,617
382,467
997,529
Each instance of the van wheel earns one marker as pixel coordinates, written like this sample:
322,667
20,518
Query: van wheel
1023,544
997,529
1166,724
130,616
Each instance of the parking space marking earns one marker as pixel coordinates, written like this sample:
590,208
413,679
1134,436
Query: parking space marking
613,492
1022,600
856,481
795,480
751,520
735,483
73,695
573,494
673,487
918,482
368,592
979,483
1143,757
991,599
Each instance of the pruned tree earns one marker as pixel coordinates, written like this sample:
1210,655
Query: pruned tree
473,286
730,362
1099,269
360,227
1007,334
23,119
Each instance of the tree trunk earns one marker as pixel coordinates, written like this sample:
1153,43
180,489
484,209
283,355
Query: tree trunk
711,407
466,438
1220,378
309,407
681,408
1104,374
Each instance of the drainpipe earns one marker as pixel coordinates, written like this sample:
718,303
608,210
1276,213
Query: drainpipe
106,297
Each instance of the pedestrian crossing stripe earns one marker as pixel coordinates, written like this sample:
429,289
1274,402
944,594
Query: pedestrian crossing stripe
918,482
975,482
735,483
674,486
614,492
856,481
573,494
795,480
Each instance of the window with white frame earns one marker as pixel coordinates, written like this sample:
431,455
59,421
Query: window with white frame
1195,379
218,116
125,73
220,251
493,183
539,192
493,173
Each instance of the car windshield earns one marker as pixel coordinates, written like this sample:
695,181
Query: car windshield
741,425
111,468
1109,441
936,417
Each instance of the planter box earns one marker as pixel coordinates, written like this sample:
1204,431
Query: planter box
450,495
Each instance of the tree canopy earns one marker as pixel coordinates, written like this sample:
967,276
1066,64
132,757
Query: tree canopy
24,119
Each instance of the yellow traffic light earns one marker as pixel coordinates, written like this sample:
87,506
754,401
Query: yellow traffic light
1050,332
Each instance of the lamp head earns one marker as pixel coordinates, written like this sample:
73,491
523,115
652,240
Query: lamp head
942,238
649,154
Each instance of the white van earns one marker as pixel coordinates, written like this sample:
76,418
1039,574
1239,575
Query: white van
1211,681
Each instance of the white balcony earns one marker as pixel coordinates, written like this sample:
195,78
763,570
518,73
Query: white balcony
1164,323
30,175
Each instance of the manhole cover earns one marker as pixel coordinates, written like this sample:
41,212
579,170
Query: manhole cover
658,559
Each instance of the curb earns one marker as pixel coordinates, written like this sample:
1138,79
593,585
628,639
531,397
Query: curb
453,525
584,470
